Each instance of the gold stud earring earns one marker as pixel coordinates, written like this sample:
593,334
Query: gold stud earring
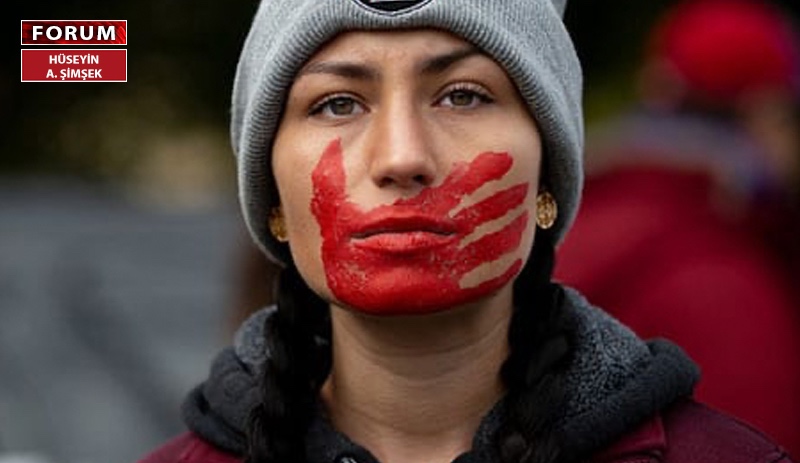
546,210
277,225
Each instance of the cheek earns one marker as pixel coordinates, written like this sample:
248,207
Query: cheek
292,173
529,235
528,166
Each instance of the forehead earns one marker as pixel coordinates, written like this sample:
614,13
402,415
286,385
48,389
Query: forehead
389,45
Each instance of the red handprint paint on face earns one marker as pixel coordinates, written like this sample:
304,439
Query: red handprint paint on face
407,257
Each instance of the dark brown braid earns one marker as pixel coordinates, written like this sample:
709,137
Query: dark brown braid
533,372
298,341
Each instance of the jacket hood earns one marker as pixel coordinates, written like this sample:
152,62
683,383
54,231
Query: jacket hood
614,382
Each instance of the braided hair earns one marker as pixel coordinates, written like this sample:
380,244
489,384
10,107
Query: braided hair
533,371
297,337
298,340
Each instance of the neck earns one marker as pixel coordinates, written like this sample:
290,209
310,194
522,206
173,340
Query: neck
415,388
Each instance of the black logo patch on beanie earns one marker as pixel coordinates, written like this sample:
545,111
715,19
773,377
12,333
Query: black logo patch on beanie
391,6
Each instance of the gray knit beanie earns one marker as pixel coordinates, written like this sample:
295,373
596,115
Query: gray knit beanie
526,37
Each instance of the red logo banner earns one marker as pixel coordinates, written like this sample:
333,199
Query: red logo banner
64,32
63,65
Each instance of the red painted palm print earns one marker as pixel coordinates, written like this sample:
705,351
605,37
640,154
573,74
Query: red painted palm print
410,256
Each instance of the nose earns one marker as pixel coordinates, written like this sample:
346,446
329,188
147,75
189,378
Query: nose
401,154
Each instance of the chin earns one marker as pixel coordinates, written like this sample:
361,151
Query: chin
413,291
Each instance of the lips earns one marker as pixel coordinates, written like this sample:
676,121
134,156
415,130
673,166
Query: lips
399,231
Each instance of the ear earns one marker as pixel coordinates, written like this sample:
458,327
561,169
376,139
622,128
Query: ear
560,5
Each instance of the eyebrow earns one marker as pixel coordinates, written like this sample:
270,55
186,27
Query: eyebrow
341,69
350,70
439,64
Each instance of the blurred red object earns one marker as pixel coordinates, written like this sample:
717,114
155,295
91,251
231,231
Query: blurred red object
724,49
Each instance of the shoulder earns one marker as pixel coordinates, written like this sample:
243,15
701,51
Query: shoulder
188,448
697,433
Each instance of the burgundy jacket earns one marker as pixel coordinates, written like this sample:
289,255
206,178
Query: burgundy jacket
686,433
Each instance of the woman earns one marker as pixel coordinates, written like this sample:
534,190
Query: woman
413,164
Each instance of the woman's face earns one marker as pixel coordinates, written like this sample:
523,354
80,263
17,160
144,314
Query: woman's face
407,168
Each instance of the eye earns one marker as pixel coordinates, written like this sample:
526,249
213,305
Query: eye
337,106
465,97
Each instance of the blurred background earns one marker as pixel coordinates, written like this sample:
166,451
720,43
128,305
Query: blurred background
123,260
